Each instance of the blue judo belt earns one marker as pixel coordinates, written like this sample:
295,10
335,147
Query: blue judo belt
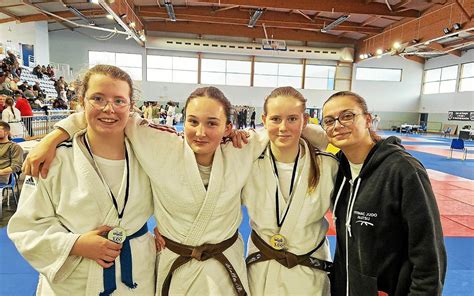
125,266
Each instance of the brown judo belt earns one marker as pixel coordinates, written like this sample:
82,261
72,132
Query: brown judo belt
287,259
203,253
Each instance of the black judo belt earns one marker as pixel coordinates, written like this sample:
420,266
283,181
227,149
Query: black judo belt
203,253
285,258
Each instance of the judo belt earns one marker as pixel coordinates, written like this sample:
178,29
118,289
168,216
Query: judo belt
287,259
125,266
203,253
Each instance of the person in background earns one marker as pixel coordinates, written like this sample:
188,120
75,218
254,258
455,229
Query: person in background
389,235
26,112
11,154
12,116
252,119
375,123
2,102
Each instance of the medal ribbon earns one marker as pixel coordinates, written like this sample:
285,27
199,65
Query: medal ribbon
114,200
293,177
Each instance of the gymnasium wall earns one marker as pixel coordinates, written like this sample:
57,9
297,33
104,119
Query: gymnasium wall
34,33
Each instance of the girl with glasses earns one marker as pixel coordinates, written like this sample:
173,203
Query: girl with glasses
389,236
83,227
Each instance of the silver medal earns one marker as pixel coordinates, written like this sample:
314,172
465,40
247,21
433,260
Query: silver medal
117,235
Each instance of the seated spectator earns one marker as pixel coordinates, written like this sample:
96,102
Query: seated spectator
23,86
43,70
37,71
39,93
11,154
26,112
50,71
59,104
28,93
12,116
2,102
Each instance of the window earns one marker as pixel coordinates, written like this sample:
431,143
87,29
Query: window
225,72
278,74
320,77
379,74
172,69
130,63
440,80
466,83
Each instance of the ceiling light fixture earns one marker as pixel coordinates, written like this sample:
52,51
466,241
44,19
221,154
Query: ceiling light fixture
132,24
110,17
335,23
379,51
256,15
80,15
397,45
457,26
94,1
446,31
170,10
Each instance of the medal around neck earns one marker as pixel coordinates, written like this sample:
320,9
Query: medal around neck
278,242
117,235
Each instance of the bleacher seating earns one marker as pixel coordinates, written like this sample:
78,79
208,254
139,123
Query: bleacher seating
46,84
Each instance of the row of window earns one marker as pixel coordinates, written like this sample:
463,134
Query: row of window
229,72
219,72
444,80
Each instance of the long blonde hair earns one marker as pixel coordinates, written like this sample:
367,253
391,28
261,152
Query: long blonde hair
288,91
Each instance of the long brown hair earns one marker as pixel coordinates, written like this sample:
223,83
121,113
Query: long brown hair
213,93
290,92
9,102
362,104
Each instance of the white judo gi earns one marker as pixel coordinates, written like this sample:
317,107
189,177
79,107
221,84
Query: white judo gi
304,226
72,200
186,212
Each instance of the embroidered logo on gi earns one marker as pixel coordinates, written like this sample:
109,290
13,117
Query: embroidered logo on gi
30,181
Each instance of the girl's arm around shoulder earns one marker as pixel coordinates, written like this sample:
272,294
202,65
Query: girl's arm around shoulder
152,140
316,136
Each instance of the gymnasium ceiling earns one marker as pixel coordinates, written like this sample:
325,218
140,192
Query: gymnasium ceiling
417,25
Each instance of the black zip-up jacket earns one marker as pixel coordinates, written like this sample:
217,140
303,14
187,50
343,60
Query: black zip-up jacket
394,237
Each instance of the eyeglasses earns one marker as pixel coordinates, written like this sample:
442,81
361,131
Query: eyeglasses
346,118
100,103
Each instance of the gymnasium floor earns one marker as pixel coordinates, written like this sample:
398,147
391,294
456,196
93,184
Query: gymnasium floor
453,184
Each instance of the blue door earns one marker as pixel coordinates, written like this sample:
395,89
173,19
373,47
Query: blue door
28,51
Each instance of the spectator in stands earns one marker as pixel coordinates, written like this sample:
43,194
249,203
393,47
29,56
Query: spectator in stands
28,93
37,72
23,86
14,64
39,93
12,116
2,102
26,112
43,70
11,154
5,84
50,71
59,104
59,83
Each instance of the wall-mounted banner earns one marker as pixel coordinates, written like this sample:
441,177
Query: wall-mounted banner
461,115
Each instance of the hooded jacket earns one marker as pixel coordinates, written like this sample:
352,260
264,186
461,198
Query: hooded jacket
389,235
